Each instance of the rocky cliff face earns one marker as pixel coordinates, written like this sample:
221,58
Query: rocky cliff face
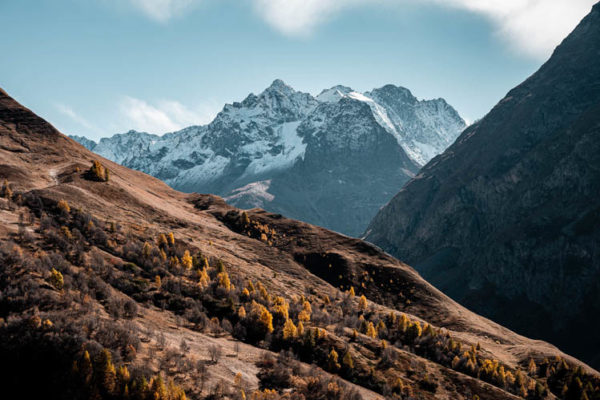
332,160
507,219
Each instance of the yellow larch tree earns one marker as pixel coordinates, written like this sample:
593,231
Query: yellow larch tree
186,260
371,331
362,303
332,360
281,307
289,330
306,312
223,281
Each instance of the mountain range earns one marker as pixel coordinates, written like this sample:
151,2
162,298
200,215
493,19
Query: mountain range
114,286
332,160
507,219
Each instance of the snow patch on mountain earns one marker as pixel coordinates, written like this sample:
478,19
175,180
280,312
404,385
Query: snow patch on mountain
279,155
334,94
423,129
207,171
254,194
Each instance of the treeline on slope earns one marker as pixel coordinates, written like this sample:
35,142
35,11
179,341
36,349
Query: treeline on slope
342,332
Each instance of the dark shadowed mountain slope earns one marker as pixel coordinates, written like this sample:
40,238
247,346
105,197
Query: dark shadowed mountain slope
115,286
507,219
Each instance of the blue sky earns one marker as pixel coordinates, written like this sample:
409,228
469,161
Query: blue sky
98,67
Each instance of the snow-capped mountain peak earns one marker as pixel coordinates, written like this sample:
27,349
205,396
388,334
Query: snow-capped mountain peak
280,86
308,152
334,94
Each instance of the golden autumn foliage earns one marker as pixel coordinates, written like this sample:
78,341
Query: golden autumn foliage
63,205
186,260
532,367
223,281
403,323
263,291
414,330
332,360
362,303
56,279
162,241
289,330
347,361
264,317
203,278
66,232
245,219
371,331
98,172
281,307
381,327
306,312
300,328
174,262
321,333
266,394
163,255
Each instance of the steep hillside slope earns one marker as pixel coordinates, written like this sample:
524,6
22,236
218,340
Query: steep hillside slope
115,286
289,152
507,219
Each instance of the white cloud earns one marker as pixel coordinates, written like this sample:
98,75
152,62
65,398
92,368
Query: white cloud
533,27
163,10
300,17
164,116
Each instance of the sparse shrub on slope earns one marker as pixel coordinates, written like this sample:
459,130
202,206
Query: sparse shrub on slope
98,172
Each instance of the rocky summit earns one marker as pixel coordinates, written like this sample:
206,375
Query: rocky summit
332,160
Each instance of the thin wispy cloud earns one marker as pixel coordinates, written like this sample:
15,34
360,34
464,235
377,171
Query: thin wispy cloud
87,126
163,116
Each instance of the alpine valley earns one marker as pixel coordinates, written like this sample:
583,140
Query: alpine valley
291,153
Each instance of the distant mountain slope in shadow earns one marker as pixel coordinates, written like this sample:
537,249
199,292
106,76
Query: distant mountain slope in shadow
507,219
